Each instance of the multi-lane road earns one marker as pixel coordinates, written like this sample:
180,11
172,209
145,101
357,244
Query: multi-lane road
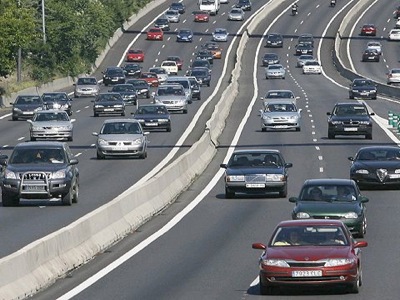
207,254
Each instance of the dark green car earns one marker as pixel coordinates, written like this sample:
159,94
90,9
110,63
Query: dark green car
335,199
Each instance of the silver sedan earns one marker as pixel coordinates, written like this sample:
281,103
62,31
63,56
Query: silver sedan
51,124
280,115
236,14
275,71
220,35
121,137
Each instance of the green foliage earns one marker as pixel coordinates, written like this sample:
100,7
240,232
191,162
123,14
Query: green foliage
76,32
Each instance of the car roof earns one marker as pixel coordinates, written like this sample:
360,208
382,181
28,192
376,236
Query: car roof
311,222
350,103
40,144
329,181
118,120
275,101
256,151
379,148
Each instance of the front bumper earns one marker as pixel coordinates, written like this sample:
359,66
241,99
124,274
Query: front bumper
132,150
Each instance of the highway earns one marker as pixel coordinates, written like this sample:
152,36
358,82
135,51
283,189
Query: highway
207,253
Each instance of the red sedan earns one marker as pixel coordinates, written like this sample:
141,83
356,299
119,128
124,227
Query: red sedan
151,78
310,253
136,55
155,34
201,16
368,29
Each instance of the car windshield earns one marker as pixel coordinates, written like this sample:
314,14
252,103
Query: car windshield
378,154
350,110
47,117
123,88
146,110
173,90
199,73
55,98
109,97
362,83
185,83
36,155
259,159
280,94
28,100
220,31
274,67
121,128
87,81
279,107
309,236
330,193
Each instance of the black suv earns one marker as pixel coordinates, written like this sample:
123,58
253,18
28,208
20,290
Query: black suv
363,89
39,170
113,75
350,118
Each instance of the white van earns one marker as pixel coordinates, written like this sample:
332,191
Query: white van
211,6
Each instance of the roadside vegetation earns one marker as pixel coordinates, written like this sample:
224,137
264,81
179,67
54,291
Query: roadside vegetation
75,33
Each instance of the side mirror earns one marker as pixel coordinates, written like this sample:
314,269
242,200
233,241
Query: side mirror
293,199
350,158
223,166
95,133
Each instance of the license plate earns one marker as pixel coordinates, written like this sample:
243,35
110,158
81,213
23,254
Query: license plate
114,79
109,109
280,126
27,113
315,273
150,124
351,129
34,187
255,185
121,148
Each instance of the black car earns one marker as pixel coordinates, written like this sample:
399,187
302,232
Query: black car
205,55
350,118
201,63
113,75
256,171
57,100
202,75
270,59
109,103
141,86
376,167
25,106
332,198
127,91
132,70
274,40
370,55
184,35
306,38
39,170
244,5
153,117
304,49
196,88
162,23
362,88
179,6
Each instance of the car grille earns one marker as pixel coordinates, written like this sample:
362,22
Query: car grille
126,143
260,178
355,123
35,175
306,264
327,217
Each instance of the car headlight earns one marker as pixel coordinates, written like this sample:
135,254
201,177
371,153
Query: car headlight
302,215
98,106
36,128
59,174
137,141
362,171
57,105
339,262
141,120
67,127
365,122
275,177
275,263
356,91
10,175
190,36
102,142
163,120
350,215
36,109
266,117
231,178
118,105
16,109
397,171
178,36
336,122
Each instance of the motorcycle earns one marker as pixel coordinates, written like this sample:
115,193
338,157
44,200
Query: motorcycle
333,2
294,11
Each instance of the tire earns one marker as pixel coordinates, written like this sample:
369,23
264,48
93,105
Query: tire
351,96
229,194
14,118
143,156
184,111
123,114
331,135
96,115
169,129
265,289
298,129
33,139
264,129
67,198
283,193
148,95
70,139
355,287
8,200
75,197
368,136
100,155
363,230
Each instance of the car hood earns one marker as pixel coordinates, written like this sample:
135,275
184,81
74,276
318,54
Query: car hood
308,253
363,87
151,116
327,208
170,98
353,118
382,164
36,167
253,170
120,137
108,103
87,86
280,114
52,124
27,106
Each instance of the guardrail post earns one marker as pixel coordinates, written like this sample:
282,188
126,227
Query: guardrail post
395,120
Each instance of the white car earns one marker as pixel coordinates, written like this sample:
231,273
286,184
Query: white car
312,67
170,66
397,25
376,46
393,76
394,35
